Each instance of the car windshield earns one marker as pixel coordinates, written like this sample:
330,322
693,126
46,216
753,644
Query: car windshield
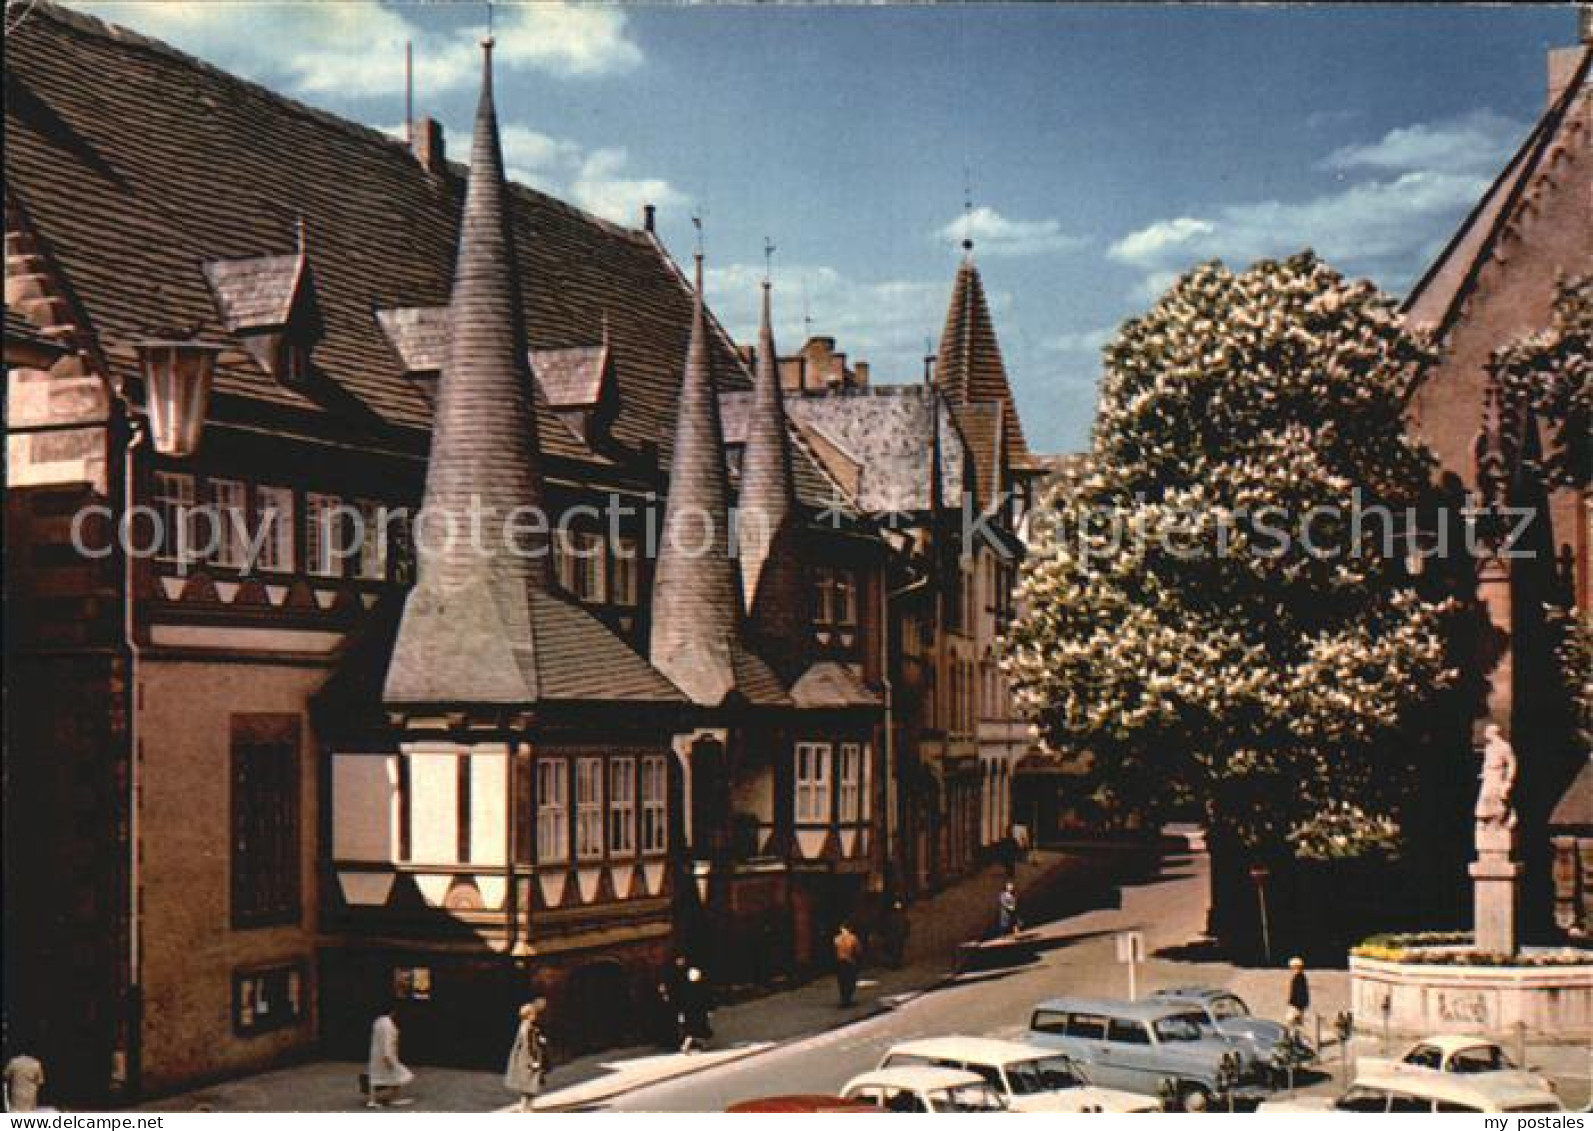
1045,1074
968,1097
1179,1027
1227,1007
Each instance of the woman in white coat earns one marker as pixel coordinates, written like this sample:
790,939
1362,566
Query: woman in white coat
529,1057
386,1072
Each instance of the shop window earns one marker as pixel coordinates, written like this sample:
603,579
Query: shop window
267,999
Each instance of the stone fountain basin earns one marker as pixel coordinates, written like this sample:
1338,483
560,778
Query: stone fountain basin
1423,998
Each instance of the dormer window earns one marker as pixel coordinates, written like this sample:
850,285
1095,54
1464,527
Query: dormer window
268,304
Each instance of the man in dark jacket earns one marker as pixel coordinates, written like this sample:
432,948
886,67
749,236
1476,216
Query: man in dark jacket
1299,994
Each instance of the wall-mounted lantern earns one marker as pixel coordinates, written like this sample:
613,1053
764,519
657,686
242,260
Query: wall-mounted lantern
177,379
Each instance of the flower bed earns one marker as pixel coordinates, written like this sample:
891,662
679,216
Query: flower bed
1454,948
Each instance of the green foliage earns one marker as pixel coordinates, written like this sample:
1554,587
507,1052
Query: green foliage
1169,630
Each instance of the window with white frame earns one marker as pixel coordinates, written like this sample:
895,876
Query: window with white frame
173,500
274,506
590,566
322,535
553,811
372,561
655,804
230,498
812,783
622,807
588,807
850,780
822,595
624,577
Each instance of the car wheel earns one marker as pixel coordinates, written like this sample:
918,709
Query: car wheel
1194,1098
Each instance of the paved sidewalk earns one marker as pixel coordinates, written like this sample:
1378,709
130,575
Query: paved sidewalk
1053,882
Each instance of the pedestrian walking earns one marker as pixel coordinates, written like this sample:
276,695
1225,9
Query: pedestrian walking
848,952
1007,921
1299,994
694,1009
897,927
385,1073
1007,848
24,1079
528,1057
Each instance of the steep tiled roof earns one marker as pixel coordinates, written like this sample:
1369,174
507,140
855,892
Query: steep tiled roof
697,611
885,431
980,425
968,365
481,625
139,164
1439,297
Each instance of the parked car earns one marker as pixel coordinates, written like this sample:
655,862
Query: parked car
1455,1055
1029,1077
803,1105
1387,1091
919,1088
1270,1042
1155,1048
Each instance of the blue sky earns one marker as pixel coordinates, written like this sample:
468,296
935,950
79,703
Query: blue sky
1107,148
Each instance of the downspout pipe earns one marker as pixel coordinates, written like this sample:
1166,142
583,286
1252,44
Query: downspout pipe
128,1069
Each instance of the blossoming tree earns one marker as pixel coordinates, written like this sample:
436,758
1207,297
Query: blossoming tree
1218,612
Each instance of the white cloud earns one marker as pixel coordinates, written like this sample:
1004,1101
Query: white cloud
1419,180
567,39
1472,143
603,186
356,47
995,234
1160,239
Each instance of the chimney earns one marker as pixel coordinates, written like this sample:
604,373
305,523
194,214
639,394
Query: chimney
860,372
649,217
426,142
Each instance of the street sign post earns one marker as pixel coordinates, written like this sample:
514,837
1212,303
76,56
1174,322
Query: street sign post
1131,952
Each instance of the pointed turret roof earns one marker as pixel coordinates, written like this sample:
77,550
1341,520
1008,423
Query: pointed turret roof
969,369
696,613
767,503
482,611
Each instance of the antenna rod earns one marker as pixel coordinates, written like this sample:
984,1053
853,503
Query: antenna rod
409,93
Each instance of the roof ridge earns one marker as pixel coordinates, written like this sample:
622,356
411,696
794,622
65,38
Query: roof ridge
1513,180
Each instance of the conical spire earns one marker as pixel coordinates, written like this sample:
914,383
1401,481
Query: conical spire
696,615
767,502
466,633
969,368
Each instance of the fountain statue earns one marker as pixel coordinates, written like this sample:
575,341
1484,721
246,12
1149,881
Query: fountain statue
1496,876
